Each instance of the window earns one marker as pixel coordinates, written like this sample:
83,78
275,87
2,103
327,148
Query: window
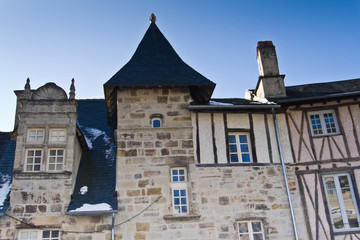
323,123
35,135
239,147
57,135
56,159
341,201
33,160
250,230
38,235
179,190
156,122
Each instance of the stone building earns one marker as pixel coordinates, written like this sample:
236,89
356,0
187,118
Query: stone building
158,158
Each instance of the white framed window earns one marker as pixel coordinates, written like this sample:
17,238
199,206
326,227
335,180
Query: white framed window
341,201
250,230
56,158
239,147
35,135
33,160
40,235
323,123
179,190
57,135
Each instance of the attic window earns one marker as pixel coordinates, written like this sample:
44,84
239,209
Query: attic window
156,120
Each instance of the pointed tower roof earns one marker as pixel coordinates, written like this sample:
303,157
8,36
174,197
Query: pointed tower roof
156,64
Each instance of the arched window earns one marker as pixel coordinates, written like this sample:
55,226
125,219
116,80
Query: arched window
156,120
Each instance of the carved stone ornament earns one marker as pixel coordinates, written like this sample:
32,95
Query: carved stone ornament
49,91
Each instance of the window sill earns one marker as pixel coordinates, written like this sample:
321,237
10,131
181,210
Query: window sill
345,232
181,218
42,175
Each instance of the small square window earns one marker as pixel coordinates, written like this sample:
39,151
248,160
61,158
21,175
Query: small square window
51,235
57,135
156,122
239,148
35,135
29,235
323,123
33,160
250,230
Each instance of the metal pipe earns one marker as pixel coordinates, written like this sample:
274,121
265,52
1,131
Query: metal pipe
113,227
284,173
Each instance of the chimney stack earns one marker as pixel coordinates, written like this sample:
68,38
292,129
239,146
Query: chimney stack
271,83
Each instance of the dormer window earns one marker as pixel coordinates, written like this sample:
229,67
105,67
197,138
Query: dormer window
35,135
156,120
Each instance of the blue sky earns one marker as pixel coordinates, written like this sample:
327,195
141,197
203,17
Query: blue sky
55,41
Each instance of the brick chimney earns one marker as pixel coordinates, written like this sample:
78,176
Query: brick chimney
271,83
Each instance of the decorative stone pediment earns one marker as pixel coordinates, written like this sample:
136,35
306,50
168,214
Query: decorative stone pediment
50,91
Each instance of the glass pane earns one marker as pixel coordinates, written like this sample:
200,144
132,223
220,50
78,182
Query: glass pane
346,193
156,123
176,193
234,158
245,157
343,181
243,227
183,200
51,159
52,152
244,148
46,234
175,172
244,237
181,171
233,148
329,181
30,153
36,168
338,222
51,167
177,209
353,221
258,236
37,160
38,153
182,178
24,235
183,192
33,235
28,168
54,233
60,152
60,159
175,179
232,139
184,209
243,139
256,226
176,201
59,167
350,208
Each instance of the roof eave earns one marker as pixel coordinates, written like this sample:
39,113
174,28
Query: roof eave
232,107
87,213
296,101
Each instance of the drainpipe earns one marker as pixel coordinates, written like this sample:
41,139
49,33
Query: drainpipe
284,173
113,227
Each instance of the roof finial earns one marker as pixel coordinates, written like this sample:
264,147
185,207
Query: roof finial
27,88
72,90
152,18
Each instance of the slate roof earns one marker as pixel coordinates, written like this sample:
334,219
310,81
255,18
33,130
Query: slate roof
97,170
155,63
7,154
320,91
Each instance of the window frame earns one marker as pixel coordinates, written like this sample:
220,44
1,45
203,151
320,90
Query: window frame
179,185
56,160
239,153
39,234
339,196
153,122
33,157
57,136
321,114
36,135
250,231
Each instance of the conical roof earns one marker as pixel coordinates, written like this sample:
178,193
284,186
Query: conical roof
155,63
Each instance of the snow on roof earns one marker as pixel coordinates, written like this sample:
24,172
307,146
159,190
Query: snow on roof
5,188
93,208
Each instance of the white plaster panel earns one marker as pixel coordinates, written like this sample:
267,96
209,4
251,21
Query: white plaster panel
238,120
274,144
262,150
294,126
194,131
205,137
356,116
347,126
220,140
338,147
284,138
